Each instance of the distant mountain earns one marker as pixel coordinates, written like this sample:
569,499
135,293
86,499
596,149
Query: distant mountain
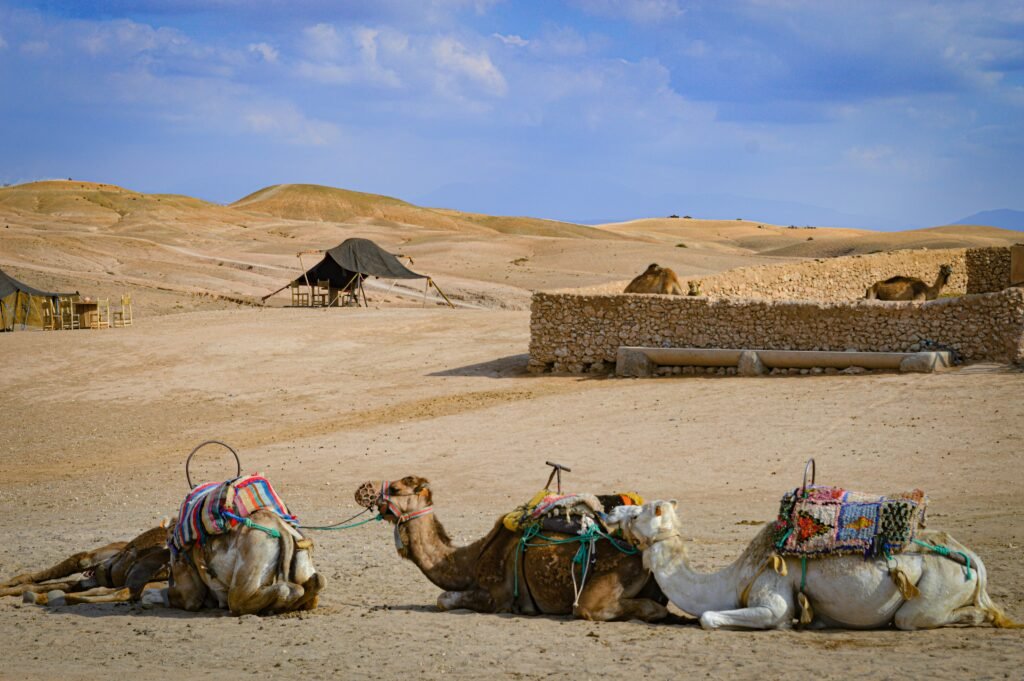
1004,217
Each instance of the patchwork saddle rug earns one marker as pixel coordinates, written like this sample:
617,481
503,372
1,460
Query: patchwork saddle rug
208,509
819,520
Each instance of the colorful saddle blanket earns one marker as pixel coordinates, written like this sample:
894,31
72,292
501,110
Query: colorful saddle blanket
208,509
822,520
546,503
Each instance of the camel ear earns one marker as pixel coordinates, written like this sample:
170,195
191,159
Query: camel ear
423,489
675,504
657,510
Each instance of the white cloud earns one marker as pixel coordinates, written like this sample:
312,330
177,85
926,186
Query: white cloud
457,62
265,51
351,57
35,48
514,40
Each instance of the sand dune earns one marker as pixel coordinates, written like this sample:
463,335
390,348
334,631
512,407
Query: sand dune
178,253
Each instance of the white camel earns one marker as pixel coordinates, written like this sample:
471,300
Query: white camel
760,590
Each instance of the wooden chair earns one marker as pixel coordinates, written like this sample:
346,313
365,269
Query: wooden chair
101,319
300,298
69,319
49,315
122,317
322,292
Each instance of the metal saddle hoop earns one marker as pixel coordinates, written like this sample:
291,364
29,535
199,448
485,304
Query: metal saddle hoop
188,461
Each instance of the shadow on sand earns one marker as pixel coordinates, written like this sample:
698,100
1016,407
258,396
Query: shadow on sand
513,366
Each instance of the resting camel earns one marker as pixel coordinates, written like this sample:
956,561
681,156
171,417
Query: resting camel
847,591
482,576
247,570
112,573
909,288
656,279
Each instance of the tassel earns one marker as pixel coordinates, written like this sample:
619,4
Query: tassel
806,612
779,563
907,588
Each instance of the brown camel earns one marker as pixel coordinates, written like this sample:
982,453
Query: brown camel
112,573
247,570
656,279
909,288
484,576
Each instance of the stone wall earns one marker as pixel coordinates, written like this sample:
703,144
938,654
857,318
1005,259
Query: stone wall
975,270
581,333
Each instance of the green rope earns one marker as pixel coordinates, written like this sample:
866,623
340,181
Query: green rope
343,527
582,554
782,541
803,572
249,523
944,552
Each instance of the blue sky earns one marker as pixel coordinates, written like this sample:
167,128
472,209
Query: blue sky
872,114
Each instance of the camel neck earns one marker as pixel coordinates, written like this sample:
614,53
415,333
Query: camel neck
448,567
696,592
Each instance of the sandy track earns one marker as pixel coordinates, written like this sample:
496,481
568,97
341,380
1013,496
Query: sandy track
97,425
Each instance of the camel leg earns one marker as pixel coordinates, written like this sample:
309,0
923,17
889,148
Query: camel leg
185,589
39,588
771,611
477,601
68,566
274,598
602,601
56,597
311,589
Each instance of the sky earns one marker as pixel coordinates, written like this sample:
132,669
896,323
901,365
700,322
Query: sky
883,115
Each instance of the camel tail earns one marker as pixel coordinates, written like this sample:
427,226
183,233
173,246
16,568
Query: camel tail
995,614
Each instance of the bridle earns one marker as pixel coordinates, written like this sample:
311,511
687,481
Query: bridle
644,544
385,496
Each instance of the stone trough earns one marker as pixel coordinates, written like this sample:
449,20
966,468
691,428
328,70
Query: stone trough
640,362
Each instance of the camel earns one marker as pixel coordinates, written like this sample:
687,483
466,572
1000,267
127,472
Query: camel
247,570
760,589
117,572
483,576
656,279
909,288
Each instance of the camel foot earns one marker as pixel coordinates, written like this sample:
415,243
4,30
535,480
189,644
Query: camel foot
33,598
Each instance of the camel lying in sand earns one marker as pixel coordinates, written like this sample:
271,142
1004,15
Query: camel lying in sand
909,288
656,279
847,591
112,573
483,576
247,570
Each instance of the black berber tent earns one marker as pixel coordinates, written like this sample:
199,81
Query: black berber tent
346,266
353,258
21,303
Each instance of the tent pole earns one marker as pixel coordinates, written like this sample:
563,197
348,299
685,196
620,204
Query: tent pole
305,276
365,304
264,298
433,283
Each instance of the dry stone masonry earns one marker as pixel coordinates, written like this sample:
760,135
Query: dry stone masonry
580,333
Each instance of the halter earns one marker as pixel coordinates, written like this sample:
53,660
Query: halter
661,536
385,496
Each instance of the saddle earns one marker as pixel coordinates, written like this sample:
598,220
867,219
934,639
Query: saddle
565,513
214,508
817,520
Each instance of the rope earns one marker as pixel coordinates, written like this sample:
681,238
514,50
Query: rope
587,539
945,553
344,524
249,523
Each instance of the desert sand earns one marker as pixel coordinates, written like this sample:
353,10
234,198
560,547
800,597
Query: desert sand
97,425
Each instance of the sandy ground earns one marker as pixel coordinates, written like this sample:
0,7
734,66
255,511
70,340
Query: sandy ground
96,426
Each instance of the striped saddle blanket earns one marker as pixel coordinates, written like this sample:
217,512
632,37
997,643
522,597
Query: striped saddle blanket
216,507
819,520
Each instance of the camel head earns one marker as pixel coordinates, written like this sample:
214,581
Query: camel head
647,524
945,271
396,500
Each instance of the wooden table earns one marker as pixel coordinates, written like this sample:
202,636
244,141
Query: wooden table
88,313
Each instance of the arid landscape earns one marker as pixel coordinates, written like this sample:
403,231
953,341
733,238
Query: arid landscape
96,426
